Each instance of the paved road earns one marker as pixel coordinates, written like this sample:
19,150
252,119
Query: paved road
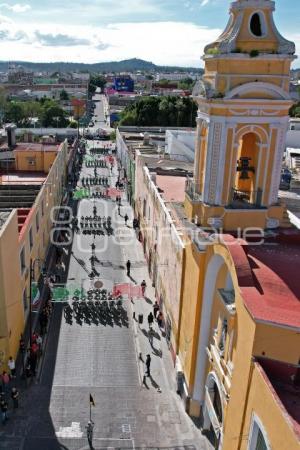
101,358
100,113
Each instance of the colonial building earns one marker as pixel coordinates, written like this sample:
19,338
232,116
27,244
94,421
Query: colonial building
242,122
239,331
32,185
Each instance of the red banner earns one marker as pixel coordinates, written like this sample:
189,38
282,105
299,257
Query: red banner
129,289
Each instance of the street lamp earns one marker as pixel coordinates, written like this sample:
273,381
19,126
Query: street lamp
31,278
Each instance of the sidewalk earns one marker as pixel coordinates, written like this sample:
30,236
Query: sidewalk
162,367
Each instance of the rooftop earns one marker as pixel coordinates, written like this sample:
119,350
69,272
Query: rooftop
36,147
284,380
268,276
172,188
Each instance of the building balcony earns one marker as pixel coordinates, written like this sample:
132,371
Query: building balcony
246,199
192,189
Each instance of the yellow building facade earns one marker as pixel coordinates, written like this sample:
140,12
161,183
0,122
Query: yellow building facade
239,334
25,236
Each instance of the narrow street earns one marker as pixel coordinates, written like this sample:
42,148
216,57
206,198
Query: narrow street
101,357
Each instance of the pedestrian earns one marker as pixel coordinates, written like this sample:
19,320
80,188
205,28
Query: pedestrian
155,309
128,266
28,372
15,397
33,362
5,381
159,319
119,211
12,367
151,336
4,407
126,219
39,342
150,319
134,224
22,345
148,363
143,286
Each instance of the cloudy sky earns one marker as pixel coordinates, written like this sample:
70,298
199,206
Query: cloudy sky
171,32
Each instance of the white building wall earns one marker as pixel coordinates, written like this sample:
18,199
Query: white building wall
181,145
163,241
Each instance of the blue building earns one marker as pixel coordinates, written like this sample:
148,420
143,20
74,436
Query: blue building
123,84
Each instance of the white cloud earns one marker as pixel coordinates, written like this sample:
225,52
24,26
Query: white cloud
164,43
17,8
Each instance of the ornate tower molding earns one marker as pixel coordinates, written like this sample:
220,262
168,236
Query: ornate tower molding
244,102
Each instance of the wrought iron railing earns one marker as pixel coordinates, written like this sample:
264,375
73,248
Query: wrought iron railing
193,189
246,199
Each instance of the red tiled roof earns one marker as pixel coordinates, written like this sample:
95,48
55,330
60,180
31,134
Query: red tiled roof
173,187
26,178
279,376
36,147
268,275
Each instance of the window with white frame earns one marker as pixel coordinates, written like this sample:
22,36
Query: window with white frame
30,239
25,302
37,221
258,439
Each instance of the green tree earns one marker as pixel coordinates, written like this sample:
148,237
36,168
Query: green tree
186,83
295,110
73,124
53,115
96,81
161,111
14,112
64,96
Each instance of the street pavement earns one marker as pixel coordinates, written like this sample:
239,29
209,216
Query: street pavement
103,359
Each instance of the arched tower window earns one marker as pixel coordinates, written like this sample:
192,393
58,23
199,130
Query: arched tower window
258,25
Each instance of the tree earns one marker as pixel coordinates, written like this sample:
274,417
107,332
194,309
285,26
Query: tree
295,110
186,84
14,112
96,81
64,96
73,124
161,111
53,115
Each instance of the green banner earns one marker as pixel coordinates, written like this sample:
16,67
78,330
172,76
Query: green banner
65,293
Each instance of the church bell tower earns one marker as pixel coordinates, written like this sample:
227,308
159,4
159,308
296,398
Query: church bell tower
242,121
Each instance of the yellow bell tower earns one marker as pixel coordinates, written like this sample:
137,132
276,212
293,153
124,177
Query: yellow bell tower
242,121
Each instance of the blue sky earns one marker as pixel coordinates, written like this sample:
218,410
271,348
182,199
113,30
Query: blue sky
164,31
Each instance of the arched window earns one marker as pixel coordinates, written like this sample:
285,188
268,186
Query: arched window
258,436
258,24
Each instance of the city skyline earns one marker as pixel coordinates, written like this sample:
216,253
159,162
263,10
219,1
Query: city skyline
149,29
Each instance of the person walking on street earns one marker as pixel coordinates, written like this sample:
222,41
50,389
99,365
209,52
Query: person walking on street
5,381
126,219
148,363
12,367
128,266
150,319
119,211
143,286
160,319
4,408
15,397
28,372
151,336
155,309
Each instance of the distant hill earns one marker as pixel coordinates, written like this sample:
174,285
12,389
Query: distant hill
114,66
